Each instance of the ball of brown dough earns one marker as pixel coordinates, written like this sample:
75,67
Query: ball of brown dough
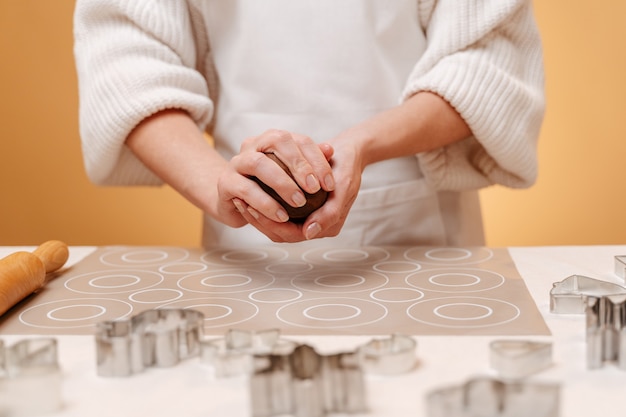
296,214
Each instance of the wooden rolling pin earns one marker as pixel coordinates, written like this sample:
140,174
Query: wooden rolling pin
22,273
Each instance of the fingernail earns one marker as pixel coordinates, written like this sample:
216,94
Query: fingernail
312,183
299,199
239,206
312,230
329,182
282,215
253,213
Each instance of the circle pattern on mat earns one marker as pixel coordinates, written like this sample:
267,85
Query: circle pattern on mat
460,312
395,267
346,257
225,281
113,281
275,295
244,256
448,256
155,296
289,268
455,280
75,313
344,281
396,295
219,311
331,312
183,268
136,257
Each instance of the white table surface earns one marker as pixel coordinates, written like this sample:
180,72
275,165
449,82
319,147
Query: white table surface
189,390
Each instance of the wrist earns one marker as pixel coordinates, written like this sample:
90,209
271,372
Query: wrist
358,142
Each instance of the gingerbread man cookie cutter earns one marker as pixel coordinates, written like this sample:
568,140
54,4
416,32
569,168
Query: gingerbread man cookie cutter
305,383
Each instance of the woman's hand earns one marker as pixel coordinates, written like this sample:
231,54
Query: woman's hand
308,163
348,165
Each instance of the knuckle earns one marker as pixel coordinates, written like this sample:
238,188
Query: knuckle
237,161
334,216
279,136
256,160
301,165
284,183
247,142
248,163
304,140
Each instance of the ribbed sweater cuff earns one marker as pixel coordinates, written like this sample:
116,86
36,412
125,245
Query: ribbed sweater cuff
492,104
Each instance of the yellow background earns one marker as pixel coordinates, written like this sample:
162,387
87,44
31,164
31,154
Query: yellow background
579,198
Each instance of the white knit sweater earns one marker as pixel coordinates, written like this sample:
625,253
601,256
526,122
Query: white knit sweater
484,57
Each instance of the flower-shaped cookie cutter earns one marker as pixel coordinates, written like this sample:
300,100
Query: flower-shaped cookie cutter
159,338
488,397
570,295
517,359
30,367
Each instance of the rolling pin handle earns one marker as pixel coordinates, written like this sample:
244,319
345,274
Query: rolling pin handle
53,254
22,273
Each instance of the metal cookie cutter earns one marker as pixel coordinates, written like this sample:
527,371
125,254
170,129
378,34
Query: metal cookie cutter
27,368
606,331
620,266
516,359
570,295
392,356
159,338
232,355
486,397
307,384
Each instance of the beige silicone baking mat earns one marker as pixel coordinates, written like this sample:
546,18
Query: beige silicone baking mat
331,291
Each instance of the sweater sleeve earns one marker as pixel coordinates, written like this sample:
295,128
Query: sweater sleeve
485,58
133,59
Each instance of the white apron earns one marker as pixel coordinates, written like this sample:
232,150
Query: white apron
317,67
